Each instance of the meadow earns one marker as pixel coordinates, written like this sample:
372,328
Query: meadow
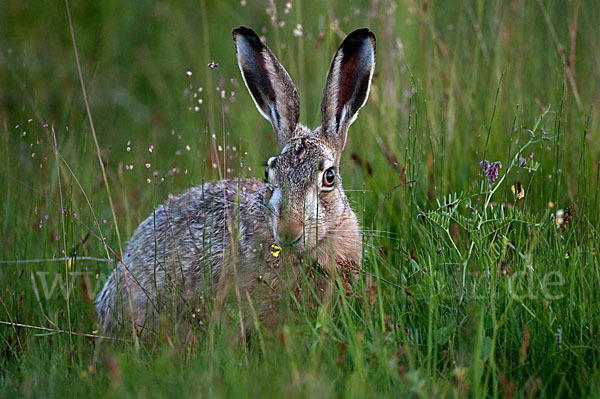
473,168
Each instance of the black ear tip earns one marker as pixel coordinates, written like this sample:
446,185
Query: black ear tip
247,33
362,32
242,30
359,36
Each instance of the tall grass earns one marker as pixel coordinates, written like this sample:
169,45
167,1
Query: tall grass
470,288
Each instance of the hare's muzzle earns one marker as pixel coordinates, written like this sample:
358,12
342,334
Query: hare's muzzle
289,231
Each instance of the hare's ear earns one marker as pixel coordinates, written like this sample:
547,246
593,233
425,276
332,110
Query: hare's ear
348,85
269,84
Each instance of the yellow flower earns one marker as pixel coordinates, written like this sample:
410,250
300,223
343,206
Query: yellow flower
275,250
519,192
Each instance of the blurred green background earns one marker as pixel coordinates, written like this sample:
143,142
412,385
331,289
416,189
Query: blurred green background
456,82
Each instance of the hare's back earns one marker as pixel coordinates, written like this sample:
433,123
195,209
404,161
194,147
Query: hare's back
178,246
191,228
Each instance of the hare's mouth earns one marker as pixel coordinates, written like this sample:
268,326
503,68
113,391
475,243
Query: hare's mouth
294,243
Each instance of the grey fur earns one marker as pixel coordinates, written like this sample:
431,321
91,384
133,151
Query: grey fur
218,236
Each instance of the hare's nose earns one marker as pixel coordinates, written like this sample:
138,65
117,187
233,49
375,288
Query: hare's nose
289,232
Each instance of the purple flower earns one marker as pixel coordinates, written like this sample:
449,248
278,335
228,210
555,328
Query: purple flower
491,170
522,162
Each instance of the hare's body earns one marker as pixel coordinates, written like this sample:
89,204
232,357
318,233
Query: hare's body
183,242
228,234
186,248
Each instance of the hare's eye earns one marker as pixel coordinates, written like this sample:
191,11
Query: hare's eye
266,174
328,177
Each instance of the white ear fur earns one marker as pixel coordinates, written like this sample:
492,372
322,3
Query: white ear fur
268,82
348,85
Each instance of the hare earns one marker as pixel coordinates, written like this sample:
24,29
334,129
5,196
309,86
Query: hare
246,234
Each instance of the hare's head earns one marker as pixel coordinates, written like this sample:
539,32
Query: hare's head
306,200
